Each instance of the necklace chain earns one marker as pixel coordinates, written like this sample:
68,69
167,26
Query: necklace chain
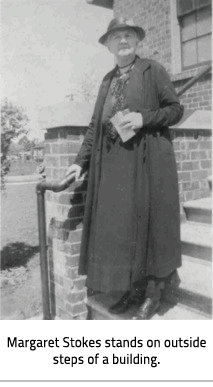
131,65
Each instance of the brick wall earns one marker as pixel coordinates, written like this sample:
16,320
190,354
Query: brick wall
198,96
193,152
64,214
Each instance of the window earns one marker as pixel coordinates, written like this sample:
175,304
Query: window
195,20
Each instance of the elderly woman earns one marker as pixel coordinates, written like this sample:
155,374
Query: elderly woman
131,236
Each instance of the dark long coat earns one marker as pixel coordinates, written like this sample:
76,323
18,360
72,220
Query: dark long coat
155,219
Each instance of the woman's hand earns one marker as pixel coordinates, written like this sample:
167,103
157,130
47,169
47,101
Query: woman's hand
74,169
132,121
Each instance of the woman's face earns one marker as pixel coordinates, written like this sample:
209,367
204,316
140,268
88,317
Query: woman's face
122,43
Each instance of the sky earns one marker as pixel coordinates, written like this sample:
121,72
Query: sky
48,47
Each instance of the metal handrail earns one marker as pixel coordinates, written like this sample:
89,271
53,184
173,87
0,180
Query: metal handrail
41,187
55,186
58,187
192,81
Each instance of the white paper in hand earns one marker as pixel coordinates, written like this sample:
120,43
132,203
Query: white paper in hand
117,121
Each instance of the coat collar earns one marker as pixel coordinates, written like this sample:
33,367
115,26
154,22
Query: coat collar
142,64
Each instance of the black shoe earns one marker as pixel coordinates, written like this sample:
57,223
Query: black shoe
122,305
147,309
134,297
137,296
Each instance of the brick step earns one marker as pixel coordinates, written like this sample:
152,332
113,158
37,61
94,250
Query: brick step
199,210
196,240
195,289
98,306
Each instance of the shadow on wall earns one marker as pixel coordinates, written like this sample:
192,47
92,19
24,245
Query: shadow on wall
61,231
17,254
76,212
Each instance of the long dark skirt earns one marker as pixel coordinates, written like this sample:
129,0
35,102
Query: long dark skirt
110,251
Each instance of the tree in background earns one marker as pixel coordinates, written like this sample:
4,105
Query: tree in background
13,123
86,89
26,144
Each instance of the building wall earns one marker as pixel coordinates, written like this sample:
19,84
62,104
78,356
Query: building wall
193,153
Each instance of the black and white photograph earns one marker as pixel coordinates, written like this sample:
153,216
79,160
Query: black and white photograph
106,160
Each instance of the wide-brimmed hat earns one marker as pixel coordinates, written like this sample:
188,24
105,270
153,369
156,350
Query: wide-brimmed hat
120,24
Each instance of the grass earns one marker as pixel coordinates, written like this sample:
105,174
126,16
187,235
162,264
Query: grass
19,215
20,271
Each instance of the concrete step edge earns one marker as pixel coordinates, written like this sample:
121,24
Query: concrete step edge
199,210
201,204
183,309
196,275
197,260
195,287
187,298
198,215
98,310
196,234
196,251
96,305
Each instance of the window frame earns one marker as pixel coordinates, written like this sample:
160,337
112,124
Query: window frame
195,7
180,16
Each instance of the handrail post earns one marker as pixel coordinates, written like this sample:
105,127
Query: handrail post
40,190
43,253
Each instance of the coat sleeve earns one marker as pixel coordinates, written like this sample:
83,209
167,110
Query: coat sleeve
170,110
83,157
